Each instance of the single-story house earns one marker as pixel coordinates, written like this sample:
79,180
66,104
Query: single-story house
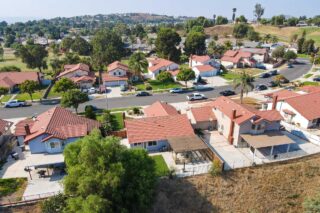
79,74
157,65
153,133
20,130
205,70
52,130
12,80
160,109
234,119
116,75
202,118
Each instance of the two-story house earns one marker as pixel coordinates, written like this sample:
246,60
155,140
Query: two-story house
79,74
52,130
237,59
204,66
158,65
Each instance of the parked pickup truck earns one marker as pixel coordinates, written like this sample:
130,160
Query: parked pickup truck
196,96
16,103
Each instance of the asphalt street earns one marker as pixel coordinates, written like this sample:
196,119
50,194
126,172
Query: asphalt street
290,73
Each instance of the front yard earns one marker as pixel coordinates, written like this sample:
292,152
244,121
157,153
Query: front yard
156,85
161,166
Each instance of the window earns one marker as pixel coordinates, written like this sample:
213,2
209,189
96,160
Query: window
136,144
54,145
152,143
253,126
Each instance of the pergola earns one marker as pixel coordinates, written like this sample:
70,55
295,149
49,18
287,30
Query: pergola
267,139
188,144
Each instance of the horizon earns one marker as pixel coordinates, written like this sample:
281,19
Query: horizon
61,8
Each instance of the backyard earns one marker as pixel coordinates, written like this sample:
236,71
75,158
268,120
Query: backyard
117,122
12,187
161,166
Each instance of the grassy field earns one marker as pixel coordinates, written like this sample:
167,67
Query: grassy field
158,85
161,166
12,188
310,83
230,75
280,187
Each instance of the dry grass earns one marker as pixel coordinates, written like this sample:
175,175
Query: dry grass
30,208
250,101
280,187
219,30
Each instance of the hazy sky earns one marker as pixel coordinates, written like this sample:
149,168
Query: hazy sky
67,8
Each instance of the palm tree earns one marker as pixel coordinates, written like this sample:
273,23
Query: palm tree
234,10
244,82
138,63
266,38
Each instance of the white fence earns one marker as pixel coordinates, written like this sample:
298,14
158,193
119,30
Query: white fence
304,134
193,170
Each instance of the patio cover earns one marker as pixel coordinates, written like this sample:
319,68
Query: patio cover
186,143
267,139
37,160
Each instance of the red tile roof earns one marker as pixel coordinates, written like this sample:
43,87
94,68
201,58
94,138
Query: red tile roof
4,125
158,128
243,112
20,127
200,58
159,63
84,78
61,123
201,114
109,78
259,51
289,112
310,89
307,105
283,94
174,72
73,68
160,109
9,79
235,56
117,65
205,68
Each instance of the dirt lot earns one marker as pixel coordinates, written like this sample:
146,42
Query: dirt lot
280,187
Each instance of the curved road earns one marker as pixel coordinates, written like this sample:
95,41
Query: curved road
293,73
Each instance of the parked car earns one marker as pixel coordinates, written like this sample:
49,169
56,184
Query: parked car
261,87
316,79
284,81
92,90
227,93
143,93
260,66
94,108
196,96
272,84
289,66
273,72
265,75
123,88
202,88
16,103
176,90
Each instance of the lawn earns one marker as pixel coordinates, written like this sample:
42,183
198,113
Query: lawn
116,121
250,71
308,75
6,98
161,166
230,75
11,185
25,96
310,83
156,85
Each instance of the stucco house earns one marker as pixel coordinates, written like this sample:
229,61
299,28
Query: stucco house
158,65
52,130
260,55
234,120
204,66
79,74
117,74
160,109
302,110
202,118
12,80
237,59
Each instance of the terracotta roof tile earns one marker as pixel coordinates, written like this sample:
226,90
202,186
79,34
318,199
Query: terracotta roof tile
158,128
310,89
73,68
200,58
160,109
159,63
109,78
9,79
20,127
205,68
117,65
283,94
201,114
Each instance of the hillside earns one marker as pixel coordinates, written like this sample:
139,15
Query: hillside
220,30
277,188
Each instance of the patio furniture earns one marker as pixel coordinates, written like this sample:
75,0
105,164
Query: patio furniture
42,173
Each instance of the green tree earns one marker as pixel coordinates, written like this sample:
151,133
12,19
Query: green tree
64,85
54,204
312,204
258,11
9,40
274,39
164,77
1,53
308,46
107,47
71,58
267,38
29,87
252,35
186,75
244,83
221,20
300,43
138,63
215,49
195,43
34,56
278,52
66,44
104,176
241,19
73,98
228,45
106,121
290,55
278,79
166,44
56,65
81,46
89,112
3,91
55,48
240,30
10,68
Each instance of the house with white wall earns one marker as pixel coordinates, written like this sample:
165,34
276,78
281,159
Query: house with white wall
237,59
204,66
117,74
52,130
158,65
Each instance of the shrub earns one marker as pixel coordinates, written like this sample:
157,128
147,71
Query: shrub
148,87
216,168
136,111
10,69
89,112
54,204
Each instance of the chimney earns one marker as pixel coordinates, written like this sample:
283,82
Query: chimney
27,129
274,102
233,116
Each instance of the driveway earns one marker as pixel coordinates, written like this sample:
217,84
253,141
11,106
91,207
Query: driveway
216,81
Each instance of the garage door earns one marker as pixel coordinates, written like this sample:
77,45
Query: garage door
115,83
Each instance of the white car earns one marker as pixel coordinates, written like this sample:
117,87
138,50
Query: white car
15,103
91,90
196,96
176,90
